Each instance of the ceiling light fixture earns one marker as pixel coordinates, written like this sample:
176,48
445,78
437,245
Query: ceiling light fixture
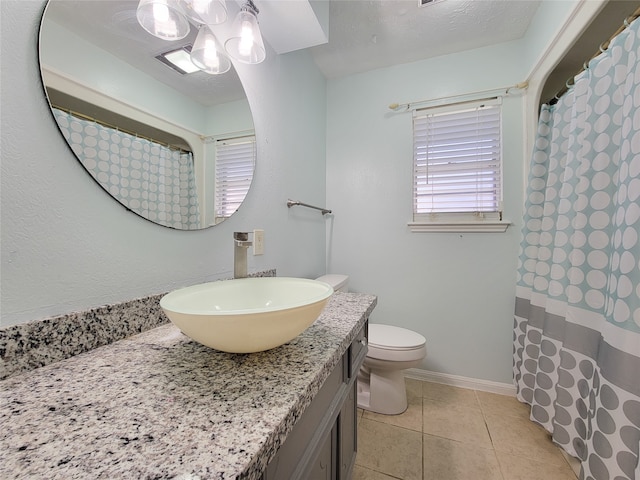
205,12
163,19
245,44
170,20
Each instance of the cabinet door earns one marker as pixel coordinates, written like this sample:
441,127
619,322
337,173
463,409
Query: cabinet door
324,467
348,433
309,435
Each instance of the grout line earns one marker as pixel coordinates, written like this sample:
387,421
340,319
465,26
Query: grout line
391,424
422,431
484,419
486,425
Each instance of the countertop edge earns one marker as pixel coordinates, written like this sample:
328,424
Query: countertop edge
275,441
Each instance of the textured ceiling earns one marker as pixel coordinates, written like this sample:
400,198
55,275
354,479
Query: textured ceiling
112,26
364,35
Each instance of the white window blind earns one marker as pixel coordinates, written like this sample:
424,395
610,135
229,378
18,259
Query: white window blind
235,161
457,160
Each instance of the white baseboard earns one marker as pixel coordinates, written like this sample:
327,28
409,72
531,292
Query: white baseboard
463,382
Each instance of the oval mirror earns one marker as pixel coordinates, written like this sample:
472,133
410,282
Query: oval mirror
175,146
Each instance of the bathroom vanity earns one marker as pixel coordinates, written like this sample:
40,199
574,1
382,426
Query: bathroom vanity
159,405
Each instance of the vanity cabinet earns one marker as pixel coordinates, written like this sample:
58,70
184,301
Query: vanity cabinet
323,442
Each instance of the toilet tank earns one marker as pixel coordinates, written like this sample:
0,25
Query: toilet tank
340,283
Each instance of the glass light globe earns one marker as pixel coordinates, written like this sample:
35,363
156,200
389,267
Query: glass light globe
206,53
163,19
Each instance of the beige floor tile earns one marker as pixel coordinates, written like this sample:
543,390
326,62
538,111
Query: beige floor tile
389,449
414,388
363,473
411,418
515,467
456,396
521,437
495,404
450,460
455,422
468,435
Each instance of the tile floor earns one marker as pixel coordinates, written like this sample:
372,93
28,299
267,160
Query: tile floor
451,433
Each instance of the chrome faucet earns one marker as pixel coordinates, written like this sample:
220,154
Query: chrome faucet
241,244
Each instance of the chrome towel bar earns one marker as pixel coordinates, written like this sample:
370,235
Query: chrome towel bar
292,203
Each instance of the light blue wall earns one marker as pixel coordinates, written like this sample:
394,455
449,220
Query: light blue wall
456,289
67,246
544,26
231,117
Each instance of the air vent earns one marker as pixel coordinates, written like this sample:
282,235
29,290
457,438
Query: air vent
424,3
179,59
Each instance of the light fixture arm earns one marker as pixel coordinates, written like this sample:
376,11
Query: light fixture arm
251,7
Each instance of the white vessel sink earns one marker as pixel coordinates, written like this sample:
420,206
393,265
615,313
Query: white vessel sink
248,314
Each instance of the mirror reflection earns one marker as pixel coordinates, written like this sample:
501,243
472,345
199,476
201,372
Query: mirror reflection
176,148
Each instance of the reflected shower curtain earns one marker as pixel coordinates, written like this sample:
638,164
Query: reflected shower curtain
150,179
577,314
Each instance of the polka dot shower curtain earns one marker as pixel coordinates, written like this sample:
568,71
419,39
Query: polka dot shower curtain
577,315
150,179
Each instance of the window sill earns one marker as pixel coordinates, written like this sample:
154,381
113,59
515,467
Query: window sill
444,227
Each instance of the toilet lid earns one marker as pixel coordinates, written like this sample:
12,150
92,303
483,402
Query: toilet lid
394,338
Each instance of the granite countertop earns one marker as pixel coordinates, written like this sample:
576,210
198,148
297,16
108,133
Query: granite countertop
159,405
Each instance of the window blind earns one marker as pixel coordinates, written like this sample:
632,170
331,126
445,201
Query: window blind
235,161
457,158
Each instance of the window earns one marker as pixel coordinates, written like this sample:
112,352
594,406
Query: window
235,161
457,178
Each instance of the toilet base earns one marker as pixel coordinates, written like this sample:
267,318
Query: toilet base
382,391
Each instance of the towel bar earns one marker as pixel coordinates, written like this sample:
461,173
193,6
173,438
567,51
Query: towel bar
292,203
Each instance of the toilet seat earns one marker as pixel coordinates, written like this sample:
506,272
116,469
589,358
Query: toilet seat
394,338
387,342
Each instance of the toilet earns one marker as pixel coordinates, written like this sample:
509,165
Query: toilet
391,350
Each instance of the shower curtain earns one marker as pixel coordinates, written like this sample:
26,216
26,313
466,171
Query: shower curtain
577,313
148,178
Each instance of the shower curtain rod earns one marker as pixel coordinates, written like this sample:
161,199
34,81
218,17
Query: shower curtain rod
603,47
229,136
120,129
460,98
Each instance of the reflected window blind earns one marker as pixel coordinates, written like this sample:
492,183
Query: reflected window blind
457,158
235,161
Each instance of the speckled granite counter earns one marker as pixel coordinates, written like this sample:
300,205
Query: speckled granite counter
158,405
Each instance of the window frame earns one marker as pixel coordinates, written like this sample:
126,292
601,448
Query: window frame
221,211
449,221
